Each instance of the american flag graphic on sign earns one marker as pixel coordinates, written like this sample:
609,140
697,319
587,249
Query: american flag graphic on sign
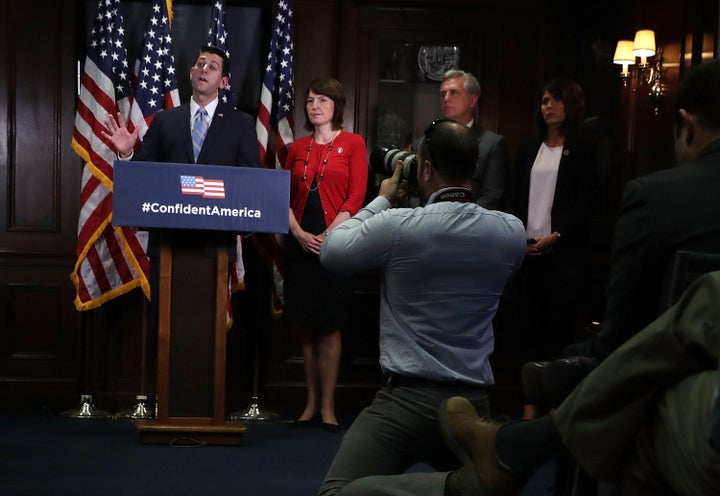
207,188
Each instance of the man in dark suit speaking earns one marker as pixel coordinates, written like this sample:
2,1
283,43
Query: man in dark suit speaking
202,131
229,135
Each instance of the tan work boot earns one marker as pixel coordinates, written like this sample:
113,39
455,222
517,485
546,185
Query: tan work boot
472,439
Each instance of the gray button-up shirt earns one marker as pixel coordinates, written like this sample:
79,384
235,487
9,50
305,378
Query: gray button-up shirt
444,268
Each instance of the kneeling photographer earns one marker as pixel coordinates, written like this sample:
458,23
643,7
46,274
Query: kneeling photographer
444,266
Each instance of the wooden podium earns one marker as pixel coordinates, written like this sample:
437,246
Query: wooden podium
192,348
192,212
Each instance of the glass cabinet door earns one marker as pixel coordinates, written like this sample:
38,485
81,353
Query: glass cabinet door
408,87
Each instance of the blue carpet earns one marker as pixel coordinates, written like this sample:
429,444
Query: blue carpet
45,453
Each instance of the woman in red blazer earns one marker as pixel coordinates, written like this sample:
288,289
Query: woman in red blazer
329,173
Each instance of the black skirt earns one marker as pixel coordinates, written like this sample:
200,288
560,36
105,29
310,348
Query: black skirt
316,301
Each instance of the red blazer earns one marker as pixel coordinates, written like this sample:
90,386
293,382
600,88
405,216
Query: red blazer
342,181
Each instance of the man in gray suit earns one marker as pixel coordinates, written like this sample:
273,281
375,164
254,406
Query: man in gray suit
459,96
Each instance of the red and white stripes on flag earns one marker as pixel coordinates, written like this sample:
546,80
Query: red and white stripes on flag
275,123
110,260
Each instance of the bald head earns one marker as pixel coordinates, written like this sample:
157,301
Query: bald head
452,150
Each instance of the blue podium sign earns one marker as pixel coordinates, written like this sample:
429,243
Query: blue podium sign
189,196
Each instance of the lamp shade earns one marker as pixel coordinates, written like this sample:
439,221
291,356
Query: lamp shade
644,45
624,52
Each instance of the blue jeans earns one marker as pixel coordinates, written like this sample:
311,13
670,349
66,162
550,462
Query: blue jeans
399,429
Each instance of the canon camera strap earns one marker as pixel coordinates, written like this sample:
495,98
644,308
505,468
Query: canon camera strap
453,194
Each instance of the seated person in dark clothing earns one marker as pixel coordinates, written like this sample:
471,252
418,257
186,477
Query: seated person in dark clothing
664,212
645,419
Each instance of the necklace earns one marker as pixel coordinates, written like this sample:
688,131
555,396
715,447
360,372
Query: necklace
324,162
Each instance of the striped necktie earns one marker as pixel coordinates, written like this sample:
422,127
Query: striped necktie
199,130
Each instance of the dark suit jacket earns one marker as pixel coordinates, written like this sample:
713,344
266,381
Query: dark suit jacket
488,182
660,213
230,140
575,191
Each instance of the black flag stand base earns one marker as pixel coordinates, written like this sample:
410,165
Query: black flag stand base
86,409
140,410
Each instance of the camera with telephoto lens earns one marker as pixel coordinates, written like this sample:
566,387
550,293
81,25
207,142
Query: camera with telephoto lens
383,160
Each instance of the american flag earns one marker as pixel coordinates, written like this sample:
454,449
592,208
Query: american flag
218,36
198,185
156,87
110,261
275,124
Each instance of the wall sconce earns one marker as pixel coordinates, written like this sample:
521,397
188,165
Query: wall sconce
646,73
624,56
644,47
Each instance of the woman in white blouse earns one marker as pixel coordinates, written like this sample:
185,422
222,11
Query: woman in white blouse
553,193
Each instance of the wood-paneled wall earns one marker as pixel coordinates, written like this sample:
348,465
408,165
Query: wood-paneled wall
39,197
49,353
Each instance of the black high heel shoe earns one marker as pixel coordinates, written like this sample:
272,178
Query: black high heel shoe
326,426
306,422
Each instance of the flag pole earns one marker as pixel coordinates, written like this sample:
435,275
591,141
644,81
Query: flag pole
141,408
275,132
155,63
253,411
101,93
85,409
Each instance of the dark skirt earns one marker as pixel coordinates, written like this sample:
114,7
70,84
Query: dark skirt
316,301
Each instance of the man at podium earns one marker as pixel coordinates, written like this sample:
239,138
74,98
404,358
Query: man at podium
187,265
202,131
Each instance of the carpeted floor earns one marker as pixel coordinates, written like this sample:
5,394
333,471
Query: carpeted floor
43,453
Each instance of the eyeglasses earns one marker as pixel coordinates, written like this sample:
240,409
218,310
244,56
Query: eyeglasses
429,133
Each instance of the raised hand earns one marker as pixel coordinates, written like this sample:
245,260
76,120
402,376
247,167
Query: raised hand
118,134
